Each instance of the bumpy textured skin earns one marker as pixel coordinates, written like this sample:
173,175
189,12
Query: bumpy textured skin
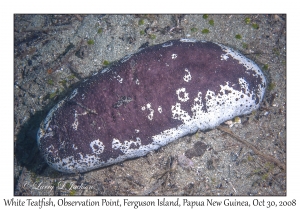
147,100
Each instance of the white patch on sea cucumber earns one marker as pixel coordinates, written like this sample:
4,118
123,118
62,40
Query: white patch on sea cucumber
74,147
150,116
159,109
174,56
120,79
81,156
185,95
116,144
84,162
220,106
49,132
244,85
74,93
97,146
137,130
179,114
249,65
137,82
148,106
188,76
224,57
75,123
50,149
167,44
188,40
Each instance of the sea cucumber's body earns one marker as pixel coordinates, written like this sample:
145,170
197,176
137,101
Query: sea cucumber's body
147,100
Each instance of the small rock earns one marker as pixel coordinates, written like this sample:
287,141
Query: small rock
185,162
197,151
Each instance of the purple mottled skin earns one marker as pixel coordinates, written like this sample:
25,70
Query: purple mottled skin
113,105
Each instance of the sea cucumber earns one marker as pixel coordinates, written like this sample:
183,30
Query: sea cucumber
146,100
